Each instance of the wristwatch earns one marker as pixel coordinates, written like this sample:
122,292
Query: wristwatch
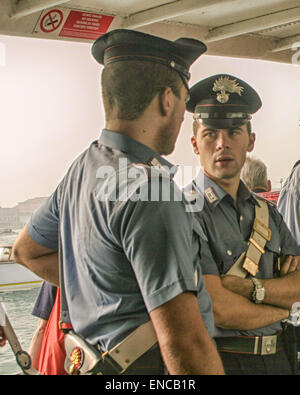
259,292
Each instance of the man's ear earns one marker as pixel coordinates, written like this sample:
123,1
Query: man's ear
269,185
166,101
252,138
194,144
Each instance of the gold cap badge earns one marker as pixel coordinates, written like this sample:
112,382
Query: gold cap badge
225,86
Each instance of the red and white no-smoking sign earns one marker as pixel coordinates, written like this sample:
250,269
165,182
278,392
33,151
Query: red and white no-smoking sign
65,22
51,21
85,25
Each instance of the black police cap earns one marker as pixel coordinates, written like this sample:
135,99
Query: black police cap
123,44
223,101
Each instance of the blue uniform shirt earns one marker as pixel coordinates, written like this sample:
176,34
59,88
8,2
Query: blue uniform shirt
289,202
45,300
228,229
123,255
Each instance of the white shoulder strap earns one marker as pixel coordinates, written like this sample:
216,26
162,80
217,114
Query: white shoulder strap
248,261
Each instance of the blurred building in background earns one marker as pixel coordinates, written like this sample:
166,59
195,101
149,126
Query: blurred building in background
16,217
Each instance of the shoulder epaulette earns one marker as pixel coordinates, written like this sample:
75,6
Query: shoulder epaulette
152,171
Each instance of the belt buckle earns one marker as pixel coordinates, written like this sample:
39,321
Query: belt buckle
268,345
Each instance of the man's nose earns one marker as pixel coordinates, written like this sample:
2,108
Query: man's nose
222,141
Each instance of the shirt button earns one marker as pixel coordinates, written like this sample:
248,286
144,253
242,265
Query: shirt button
241,218
229,252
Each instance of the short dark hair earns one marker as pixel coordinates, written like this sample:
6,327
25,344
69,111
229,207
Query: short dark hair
129,86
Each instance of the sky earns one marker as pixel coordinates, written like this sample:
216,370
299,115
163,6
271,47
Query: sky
51,110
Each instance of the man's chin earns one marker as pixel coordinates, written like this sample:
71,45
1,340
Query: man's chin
224,175
167,150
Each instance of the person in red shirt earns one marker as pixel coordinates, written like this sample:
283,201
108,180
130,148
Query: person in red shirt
47,346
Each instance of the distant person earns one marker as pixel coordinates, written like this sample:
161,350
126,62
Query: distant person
2,321
2,338
47,346
289,207
254,174
289,201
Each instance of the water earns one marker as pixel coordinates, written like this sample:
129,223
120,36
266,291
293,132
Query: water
18,306
9,238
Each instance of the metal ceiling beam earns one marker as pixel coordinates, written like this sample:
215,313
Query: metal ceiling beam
166,11
253,25
287,43
27,7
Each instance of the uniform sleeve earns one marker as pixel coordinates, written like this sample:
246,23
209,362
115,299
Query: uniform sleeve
289,203
45,301
156,236
288,244
208,263
43,224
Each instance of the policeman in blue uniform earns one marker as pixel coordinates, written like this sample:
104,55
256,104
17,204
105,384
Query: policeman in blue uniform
250,297
125,261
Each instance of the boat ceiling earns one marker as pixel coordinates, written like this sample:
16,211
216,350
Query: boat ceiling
257,29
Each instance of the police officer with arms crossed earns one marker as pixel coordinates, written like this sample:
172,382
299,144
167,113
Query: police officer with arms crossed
249,303
125,260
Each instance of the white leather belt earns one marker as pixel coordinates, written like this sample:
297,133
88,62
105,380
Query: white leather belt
133,346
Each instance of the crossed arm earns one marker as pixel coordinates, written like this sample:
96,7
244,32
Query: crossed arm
41,260
232,303
237,312
281,292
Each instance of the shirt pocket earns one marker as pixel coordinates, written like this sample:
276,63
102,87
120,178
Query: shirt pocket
230,252
273,245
